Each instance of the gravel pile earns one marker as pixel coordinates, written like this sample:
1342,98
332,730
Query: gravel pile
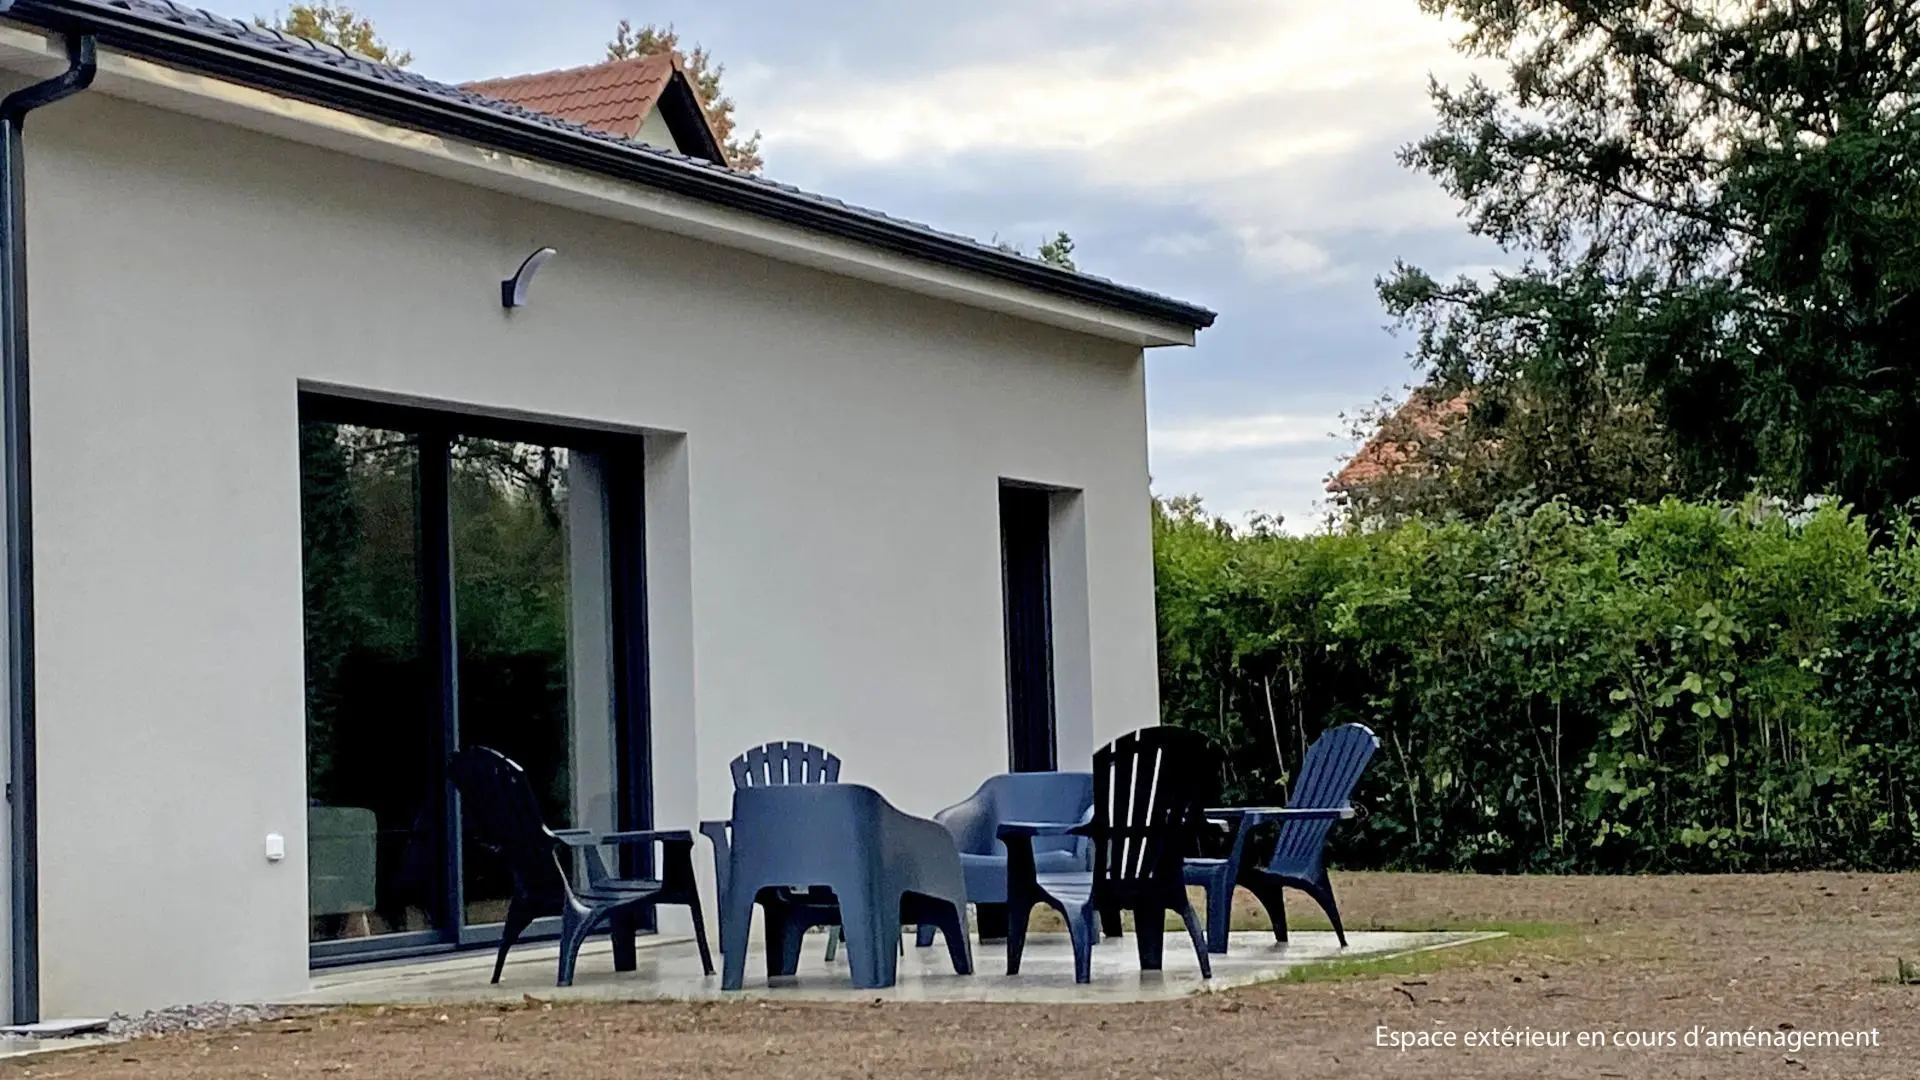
205,1017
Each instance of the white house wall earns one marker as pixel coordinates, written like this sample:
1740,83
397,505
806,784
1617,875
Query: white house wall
655,132
826,561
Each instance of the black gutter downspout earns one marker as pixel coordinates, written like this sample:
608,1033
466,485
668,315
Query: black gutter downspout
17,447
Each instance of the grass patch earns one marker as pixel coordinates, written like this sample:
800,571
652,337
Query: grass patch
1518,938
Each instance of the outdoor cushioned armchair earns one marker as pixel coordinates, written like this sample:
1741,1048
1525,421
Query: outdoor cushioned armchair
879,868
1321,796
975,824
500,806
1147,800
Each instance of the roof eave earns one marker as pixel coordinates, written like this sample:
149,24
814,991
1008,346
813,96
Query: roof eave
241,61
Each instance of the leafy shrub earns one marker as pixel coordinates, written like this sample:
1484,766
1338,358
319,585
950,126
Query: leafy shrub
1680,687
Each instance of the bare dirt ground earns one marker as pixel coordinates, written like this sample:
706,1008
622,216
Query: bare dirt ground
1775,954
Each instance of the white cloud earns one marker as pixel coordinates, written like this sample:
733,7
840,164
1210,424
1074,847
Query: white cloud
1274,120
1241,433
1181,245
1044,97
1283,253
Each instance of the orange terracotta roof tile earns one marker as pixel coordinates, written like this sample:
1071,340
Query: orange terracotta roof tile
614,97
1389,451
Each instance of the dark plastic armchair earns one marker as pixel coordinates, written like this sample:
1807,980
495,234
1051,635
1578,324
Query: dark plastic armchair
1147,798
499,805
837,855
1322,796
1036,796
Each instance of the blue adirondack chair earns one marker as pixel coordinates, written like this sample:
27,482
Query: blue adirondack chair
1322,795
975,823
1147,800
880,867
772,765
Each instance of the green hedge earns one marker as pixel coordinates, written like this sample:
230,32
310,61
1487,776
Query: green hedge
1684,687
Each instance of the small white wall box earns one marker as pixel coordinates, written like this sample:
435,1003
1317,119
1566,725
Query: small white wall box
276,847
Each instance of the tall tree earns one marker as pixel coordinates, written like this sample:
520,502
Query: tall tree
628,42
339,25
1055,252
1058,251
1714,211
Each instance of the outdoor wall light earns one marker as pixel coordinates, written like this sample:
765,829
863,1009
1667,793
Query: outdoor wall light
513,291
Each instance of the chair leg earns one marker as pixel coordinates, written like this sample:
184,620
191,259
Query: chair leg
1272,897
1110,923
869,961
992,921
621,929
1082,930
1017,916
1324,897
786,935
923,935
700,935
833,943
953,927
736,925
1219,913
1192,920
1150,927
575,925
519,917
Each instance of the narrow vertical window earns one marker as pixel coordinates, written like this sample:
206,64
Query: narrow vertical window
1026,590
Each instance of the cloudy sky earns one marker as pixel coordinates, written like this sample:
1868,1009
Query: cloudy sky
1237,153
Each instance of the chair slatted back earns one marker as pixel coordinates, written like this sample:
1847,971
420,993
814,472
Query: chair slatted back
780,763
498,804
1328,776
1148,793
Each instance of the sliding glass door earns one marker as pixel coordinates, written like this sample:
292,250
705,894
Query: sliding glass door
373,744
466,585
511,602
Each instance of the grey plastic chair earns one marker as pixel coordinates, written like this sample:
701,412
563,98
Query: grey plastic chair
975,823
772,765
1322,796
838,854
1147,800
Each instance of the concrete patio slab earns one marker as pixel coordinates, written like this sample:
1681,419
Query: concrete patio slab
670,969
28,1046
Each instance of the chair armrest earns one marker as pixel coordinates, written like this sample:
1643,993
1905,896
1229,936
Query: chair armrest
677,871
1261,815
586,838
1243,820
720,835
1031,829
648,836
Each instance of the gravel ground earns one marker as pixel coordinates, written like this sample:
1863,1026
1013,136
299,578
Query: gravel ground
1629,960
211,1016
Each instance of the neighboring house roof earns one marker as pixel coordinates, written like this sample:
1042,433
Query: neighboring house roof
1396,446
616,97
239,52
